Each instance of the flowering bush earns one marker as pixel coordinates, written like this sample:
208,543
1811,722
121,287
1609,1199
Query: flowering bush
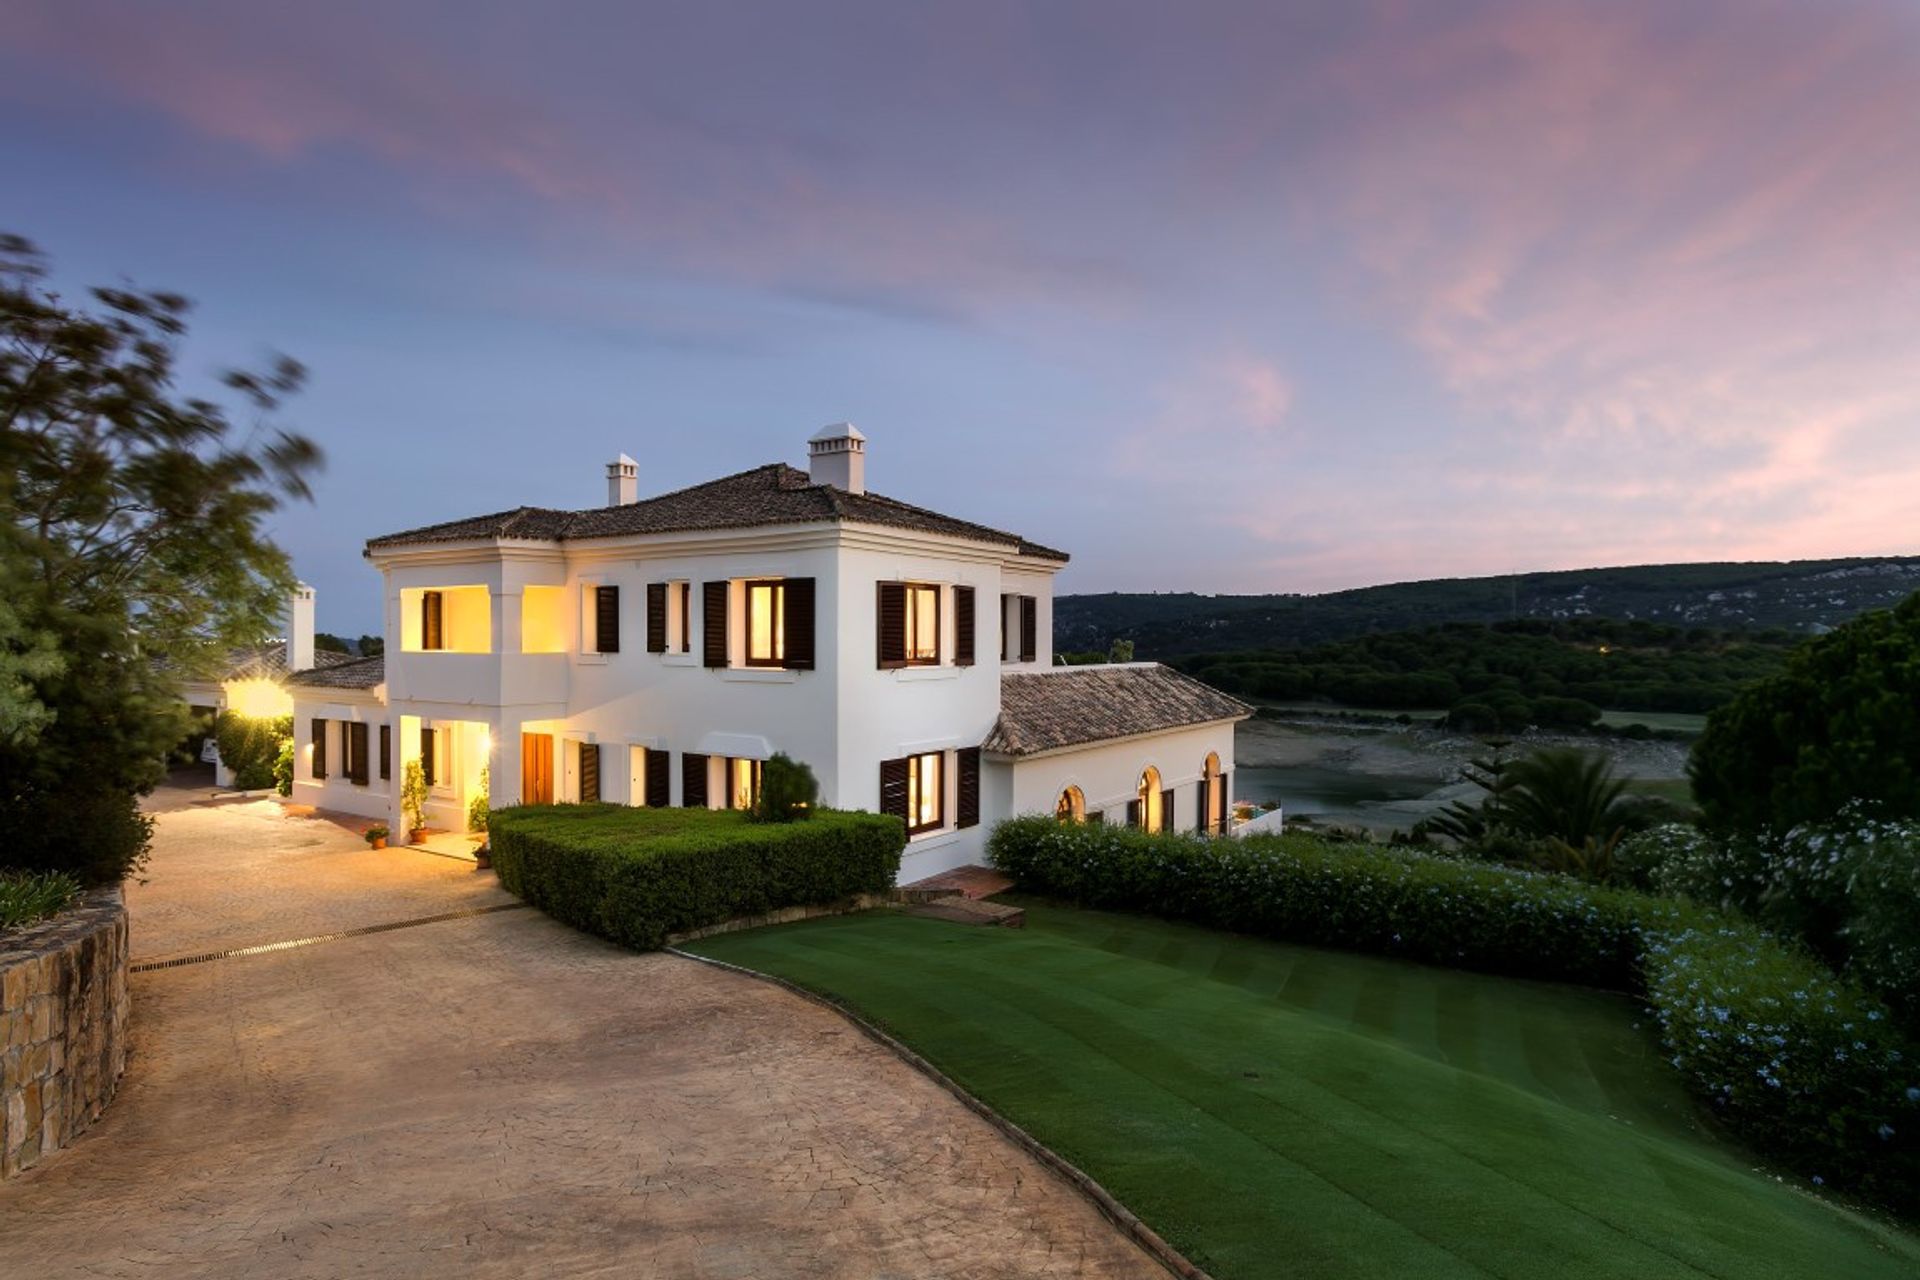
1802,1065
1849,888
1807,1068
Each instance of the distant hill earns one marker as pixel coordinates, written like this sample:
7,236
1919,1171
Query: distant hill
1803,596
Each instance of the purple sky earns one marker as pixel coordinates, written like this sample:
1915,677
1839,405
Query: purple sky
1219,297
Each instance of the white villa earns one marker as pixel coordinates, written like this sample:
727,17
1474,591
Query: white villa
655,651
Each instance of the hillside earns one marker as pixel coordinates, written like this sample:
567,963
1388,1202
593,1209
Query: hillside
1801,596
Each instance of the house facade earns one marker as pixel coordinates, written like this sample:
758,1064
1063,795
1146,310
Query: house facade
657,651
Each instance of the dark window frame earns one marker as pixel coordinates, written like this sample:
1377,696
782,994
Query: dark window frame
914,589
914,791
777,589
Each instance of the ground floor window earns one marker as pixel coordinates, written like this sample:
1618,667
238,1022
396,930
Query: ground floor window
924,792
743,783
1072,806
1150,813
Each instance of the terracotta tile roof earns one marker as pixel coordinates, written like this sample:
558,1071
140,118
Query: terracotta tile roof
1072,706
354,673
269,661
773,494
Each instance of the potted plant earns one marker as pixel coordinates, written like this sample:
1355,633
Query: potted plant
375,836
478,811
413,801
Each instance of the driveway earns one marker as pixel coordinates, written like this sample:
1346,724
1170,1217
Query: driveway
497,1095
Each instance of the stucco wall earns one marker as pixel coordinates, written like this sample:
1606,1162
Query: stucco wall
63,1027
1107,773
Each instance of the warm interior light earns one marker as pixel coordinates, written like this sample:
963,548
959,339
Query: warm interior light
258,699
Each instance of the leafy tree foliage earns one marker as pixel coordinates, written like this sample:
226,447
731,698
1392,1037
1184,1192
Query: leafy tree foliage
371,646
1558,809
1840,723
326,640
1509,675
133,541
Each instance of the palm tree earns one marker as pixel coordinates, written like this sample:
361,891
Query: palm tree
1571,799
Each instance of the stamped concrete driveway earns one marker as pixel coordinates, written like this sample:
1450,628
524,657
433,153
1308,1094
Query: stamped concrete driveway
497,1095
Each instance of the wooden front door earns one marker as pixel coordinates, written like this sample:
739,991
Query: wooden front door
536,768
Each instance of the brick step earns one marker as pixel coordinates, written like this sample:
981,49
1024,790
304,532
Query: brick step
970,881
962,910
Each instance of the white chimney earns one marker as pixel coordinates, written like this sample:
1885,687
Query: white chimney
623,482
300,629
837,455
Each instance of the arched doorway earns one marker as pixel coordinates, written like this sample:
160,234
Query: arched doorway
1149,804
1213,796
1072,806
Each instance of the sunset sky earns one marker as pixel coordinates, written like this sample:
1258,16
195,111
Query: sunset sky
1219,297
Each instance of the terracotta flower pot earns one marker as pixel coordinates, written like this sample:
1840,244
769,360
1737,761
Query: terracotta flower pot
379,842
417,836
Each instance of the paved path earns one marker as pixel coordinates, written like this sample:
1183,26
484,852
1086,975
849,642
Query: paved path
500,1096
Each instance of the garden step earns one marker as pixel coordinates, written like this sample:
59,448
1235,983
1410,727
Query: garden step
963,910
969,881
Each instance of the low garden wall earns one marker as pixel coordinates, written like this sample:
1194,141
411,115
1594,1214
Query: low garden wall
644,876
63,1026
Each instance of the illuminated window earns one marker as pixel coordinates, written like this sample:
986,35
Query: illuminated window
923,625
1072,806
1151,812
766,624
924,793
743,783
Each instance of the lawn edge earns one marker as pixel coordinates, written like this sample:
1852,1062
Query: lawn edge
1145,1237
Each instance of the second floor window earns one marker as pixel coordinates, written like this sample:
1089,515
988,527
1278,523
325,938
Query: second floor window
766,624
923,625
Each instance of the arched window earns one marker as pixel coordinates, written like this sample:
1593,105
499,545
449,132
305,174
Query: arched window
1213,796
1149,806
1072,806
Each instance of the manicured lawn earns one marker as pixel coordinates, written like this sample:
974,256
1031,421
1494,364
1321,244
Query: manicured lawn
1284,1111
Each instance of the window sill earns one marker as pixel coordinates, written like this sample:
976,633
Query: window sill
758,675
679,659
590,659
909,675
933,838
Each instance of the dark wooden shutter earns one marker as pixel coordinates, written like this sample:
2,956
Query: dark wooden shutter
1006,647
1166,809
963,626
969,788
1029,628
426,752
1096,818
656,617
659,775
1134,815
893,787
799,593
693,780
386,752
606,619
890,612
319,748
714,622
1200,814
589,773
1226,805
686,617
431,634
357,752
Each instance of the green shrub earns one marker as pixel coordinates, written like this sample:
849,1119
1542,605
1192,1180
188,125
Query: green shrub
1808,1069
250,747
94,832
26,896
283,768
1363,898
480,807
1805,1067
637,875
788,790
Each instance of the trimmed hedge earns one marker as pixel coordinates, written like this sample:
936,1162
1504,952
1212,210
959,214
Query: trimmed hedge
636,875
1442,911
1805,1067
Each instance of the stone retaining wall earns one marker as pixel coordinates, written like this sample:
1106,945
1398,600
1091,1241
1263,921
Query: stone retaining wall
63,1026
